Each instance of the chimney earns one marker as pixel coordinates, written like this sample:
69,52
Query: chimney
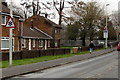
31,23
46,15
5,3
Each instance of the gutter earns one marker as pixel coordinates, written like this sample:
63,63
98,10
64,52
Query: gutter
3,13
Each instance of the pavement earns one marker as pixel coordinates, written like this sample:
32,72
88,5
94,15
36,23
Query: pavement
29,68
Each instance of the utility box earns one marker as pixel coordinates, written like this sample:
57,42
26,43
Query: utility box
75,49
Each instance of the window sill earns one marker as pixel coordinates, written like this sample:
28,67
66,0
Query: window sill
40,46
3,24
4,48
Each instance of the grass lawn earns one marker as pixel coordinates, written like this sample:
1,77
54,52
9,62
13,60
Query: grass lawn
41,59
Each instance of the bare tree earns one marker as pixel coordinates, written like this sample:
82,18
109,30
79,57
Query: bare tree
26,8
59,9
115,21
33,7
114,17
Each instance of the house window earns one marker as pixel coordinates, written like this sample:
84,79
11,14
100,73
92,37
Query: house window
34,43
56,44
48,43
5,43
55,30
4,20
40,43
23,43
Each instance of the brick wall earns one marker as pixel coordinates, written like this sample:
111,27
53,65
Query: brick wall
0,26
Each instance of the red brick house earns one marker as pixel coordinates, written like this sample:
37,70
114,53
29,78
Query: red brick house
5,12
47,26
34,39
35,33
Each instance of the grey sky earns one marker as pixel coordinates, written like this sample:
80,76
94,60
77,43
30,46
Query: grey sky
112,7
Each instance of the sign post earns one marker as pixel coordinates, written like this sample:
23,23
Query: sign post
10,24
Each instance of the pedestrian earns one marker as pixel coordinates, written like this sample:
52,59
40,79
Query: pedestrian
118,47
91,45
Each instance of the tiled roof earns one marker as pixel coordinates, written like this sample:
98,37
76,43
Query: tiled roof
46,20
29,32
52,23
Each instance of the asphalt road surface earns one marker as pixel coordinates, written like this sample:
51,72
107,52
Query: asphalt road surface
105,66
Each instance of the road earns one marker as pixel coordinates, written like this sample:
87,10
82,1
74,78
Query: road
105,66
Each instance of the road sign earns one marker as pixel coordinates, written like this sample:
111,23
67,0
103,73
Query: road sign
105,33
10,23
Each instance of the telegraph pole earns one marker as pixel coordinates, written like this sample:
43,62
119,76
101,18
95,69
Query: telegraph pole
106,44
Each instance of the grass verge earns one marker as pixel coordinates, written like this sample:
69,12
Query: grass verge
41,59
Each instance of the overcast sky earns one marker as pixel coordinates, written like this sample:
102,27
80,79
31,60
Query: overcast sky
112,7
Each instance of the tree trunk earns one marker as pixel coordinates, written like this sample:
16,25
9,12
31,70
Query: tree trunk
60,20
83,41
60,17
91,38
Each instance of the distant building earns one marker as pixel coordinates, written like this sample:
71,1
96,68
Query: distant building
119,12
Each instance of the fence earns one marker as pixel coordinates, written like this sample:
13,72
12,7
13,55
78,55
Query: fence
48,52
79,42
35,53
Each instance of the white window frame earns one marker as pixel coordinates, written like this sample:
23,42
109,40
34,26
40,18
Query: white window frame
55,30
40,43
34,43
5,20
23,43
56,44
5,39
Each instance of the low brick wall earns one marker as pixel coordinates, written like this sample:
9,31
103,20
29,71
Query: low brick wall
35,53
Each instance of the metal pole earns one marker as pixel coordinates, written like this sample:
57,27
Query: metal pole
106,44
10,39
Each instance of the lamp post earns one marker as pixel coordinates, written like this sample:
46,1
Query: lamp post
106,45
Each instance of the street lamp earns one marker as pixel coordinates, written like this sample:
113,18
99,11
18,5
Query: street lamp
106,27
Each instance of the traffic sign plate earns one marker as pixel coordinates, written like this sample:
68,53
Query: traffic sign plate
10,23
105,33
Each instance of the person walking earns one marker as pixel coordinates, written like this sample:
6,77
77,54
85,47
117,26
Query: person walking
91,45
118,47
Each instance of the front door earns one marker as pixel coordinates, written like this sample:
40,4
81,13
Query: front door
29,44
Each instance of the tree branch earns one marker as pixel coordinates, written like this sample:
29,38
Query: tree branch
55,6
